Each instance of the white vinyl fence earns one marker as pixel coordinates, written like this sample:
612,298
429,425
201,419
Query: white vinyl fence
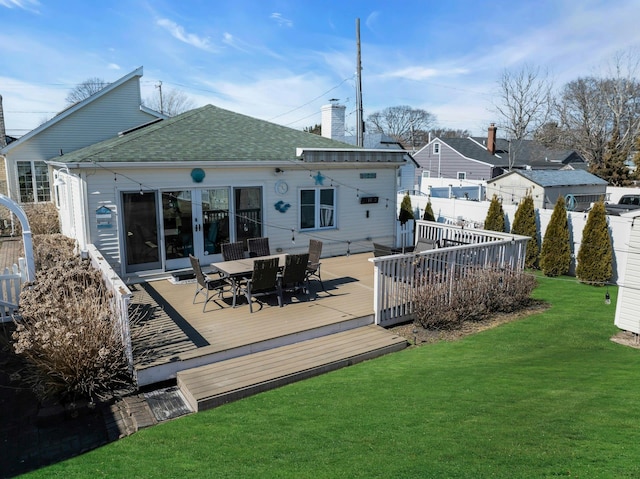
472,214
397,278
10,286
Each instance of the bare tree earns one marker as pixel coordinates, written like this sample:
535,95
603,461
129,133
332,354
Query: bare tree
585,119
85,89
449,133
524,105
169,101
400,122
621,92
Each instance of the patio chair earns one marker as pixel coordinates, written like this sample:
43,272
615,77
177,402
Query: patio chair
233,251
264,281
204,284
294,276
382,250
313,267
424,244
258,247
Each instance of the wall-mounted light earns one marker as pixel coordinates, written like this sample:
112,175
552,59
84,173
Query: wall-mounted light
279,171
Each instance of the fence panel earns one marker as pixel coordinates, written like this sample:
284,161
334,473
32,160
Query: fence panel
121,297
10,287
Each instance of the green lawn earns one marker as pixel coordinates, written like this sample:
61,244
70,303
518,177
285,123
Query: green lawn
546,396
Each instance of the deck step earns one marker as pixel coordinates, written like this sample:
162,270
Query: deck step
209,386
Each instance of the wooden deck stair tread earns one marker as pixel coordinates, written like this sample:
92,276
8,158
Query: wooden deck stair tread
218,383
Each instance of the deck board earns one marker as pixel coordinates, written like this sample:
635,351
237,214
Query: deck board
218,383
175,329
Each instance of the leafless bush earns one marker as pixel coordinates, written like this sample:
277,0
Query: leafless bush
66,330
50,250
473,295
43,219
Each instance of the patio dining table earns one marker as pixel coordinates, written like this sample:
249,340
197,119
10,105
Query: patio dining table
241,268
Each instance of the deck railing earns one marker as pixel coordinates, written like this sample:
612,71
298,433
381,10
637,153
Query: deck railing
397,278
120,298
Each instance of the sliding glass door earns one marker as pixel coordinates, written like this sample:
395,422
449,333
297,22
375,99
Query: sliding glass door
141,236
163,228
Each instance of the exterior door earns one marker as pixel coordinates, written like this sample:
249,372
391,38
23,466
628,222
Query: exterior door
194,222
141,235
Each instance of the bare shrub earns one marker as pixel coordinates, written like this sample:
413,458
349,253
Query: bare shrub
471,295
51,250
66,330
43,219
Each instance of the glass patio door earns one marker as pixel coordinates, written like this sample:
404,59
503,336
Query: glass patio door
141,240
194,222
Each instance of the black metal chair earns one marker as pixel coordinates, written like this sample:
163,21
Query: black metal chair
294,276
258,247
204,284
313,267
232,251
264,281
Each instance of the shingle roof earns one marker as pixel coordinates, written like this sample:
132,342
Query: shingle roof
472,150
546,178
529,153
208,133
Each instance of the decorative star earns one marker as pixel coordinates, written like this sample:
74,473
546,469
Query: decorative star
319,179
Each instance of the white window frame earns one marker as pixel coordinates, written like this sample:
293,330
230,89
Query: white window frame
462,175
33,189
318,208
426,173
436,148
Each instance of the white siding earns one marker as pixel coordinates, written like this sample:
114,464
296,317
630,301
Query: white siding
628,305
353,225
98,120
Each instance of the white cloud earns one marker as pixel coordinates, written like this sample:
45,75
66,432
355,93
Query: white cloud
423,73
113,66
30,5
372,20
280,20
178,31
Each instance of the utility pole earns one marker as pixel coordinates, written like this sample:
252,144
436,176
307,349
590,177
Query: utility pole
159,87
359,121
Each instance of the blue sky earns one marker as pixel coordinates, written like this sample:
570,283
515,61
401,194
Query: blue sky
281,60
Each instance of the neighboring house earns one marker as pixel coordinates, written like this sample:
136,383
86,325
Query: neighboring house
103,115
152,196
476,159
333,126
578,187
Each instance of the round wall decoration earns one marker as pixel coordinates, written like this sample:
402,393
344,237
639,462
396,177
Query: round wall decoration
281,187
197,174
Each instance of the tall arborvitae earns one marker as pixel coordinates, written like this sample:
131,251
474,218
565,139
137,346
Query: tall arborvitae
555,258
495,216
524,223
406,210
428,213
595,257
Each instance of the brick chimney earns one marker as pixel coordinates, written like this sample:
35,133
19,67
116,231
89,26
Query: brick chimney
333,120
491,139
3,131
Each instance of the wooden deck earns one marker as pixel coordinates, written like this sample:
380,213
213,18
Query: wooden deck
218,383
171,334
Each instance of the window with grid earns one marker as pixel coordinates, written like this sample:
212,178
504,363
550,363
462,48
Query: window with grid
317,208
33,182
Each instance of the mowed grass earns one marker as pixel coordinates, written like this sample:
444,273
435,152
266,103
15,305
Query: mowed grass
546,396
